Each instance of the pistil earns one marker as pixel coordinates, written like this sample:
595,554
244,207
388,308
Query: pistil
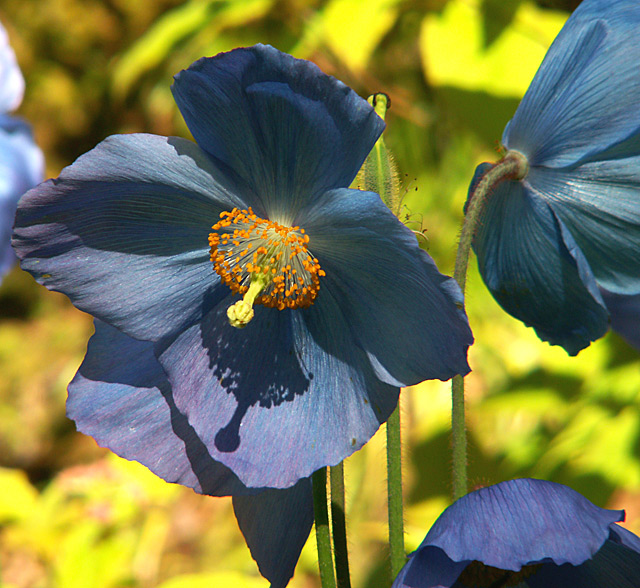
266,262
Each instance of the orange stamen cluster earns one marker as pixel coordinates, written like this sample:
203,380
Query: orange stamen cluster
246,247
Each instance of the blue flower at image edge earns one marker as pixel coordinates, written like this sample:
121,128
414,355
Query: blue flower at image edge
525,533
256,318
21,161
560,249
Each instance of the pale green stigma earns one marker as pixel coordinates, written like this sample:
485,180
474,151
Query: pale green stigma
264,261
241,313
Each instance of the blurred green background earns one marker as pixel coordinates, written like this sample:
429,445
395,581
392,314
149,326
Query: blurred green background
73,515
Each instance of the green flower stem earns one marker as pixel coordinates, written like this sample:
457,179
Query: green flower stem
323,535
459,438
379,174
513,166
338,525
394,488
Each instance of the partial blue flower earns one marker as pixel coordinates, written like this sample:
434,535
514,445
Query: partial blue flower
11,80
548,244
121,397
133,230
625,315
21,161
525,533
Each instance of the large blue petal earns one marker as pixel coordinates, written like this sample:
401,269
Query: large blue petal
625,315
405,314
562,539
599,202
279,399
11,80
288,129
534,269
586,95
276,525
21,168
429,567
122,398
613,565
523,521
622,536
124,232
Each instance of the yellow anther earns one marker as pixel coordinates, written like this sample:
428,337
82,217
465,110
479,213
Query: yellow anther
248,250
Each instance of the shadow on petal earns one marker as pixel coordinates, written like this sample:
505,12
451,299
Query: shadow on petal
122,398
258,365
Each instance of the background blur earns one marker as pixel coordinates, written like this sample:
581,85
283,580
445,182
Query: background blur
73,515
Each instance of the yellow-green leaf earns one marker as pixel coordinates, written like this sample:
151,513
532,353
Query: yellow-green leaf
353,28
217,579
18,496
455,51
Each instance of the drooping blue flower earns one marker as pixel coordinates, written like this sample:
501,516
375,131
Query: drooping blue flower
21,161
181,244
625,315
121,396
548,244
528,534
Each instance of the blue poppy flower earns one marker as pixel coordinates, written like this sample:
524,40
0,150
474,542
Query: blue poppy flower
121,396
525,533
547,244
285,309
21,161
11,80
625,315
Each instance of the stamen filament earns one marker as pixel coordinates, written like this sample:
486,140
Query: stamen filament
244,246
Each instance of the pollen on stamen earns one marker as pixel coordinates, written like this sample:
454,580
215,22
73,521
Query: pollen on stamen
242,245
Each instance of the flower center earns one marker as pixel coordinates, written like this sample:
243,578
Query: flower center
266,262
479,575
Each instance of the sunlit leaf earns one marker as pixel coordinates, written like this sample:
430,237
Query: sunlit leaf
456,51
599,443
352,29
18,496
155,46
87,557
217,579
612,450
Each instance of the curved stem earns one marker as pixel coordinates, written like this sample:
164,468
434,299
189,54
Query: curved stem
323,535
513,166
394,488
338,525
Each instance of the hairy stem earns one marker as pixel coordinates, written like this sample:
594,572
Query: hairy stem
513,166
338,524
394,488
323,535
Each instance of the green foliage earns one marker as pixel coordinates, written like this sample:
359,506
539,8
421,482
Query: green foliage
215,579
351,29
471,46
180,25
